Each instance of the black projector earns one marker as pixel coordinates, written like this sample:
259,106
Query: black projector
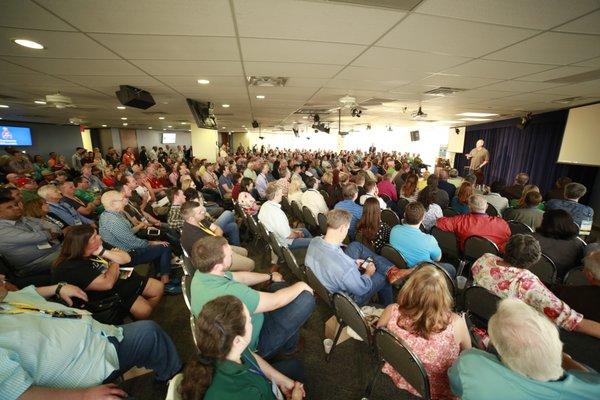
133,97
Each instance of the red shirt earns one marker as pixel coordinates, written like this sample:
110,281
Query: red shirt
493,228
128,159
389,189
155,182
110,182
235,192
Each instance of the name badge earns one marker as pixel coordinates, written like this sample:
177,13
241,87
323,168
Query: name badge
44,246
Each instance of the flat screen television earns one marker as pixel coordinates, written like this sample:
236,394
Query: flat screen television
15,136
169,138
203,113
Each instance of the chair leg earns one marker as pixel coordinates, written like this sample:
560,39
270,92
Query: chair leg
335,340
371,386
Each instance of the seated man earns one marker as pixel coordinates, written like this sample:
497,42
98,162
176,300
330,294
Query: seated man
176,199
371,190
580,212
95,183
83,193
196,226
444,184
558,191
509,277
117,231
89,353
477,222
516,190
454,178
530,214
313,199
350,194
26,245
88,210
530,363
414,245
347,272
275,220
492,196
387,187
277,316
60,210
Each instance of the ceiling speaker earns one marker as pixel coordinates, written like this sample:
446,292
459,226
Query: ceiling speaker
133,97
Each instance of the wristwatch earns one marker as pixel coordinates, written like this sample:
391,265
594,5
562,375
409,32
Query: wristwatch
58,287
270,276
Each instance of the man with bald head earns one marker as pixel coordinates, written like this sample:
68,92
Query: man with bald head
479,157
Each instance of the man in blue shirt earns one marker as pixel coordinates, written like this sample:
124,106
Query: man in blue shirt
350,193
415,245
573,192
346,272
59,210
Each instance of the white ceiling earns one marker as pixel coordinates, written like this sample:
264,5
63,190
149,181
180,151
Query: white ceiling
503,53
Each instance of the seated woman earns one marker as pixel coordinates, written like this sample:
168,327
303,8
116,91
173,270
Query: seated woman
226,368
460,202
433,211
510,277
374,232
245,199
424,321
236,177
558,239
84,262
295,192
530,363
521,203
37,207
109,178
409,190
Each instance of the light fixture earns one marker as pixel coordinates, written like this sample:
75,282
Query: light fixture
477,114
243,126
149,127
203,81
30,44
104,125
161,117
260,96
169,126
39,102
121,107
164,129
223,127
475,119
4,106
183,123
124,118
305,117
225,105
125,124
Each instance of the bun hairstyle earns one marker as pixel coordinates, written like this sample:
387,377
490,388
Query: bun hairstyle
219,322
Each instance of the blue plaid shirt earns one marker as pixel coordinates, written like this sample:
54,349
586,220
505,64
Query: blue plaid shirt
116,230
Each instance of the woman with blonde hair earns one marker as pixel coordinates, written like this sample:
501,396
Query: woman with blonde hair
460,202
520,203
423,319
409,190
295,192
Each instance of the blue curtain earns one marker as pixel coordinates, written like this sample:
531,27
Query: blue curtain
533,150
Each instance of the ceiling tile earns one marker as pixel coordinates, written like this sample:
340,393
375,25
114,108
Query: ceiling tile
451,36
555,73
171,47
157,17
216,82
456,81
364,84
57,45
534,14
382,57
306,82
197,69
496,69
551,48
381,74
594,62
288,19
25,14
77,67
521,86
298,51
587,24
591,88
290,69
94,81
6,67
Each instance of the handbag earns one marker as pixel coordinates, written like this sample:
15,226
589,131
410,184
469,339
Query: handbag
108,310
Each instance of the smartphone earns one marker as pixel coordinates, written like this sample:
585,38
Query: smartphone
153,232
365,262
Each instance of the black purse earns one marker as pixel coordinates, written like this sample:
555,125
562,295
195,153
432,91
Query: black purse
108,310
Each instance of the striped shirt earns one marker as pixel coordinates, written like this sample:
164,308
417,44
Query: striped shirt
116,230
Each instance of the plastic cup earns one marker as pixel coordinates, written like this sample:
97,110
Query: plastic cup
327,345
461,282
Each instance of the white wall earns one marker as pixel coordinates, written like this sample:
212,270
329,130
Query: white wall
205,143
154,138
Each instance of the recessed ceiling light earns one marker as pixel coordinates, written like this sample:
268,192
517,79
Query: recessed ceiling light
203,81
0,117
477,114
304,117
225,105
223,127
125,124
475,119
164,129
243,126
149,127
184,123
39,102
161,117
169,126
4,106
260,96
124,118
30,44
121,107
104,125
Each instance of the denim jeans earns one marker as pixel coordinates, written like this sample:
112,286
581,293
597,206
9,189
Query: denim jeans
381,286
226,221
160,256
146,345
449,268
302,242
281,328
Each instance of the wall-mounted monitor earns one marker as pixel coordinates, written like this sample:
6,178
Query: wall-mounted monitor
169,138
15,136
203,114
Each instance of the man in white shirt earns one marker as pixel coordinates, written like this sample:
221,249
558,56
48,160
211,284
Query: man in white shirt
262,181
492,196
313,199
275,220
372,191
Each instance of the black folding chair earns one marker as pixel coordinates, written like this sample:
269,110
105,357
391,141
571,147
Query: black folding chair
348,313
394,256
475,247
390,217
545,269
519,227
21,281
195,337
387,199
575,277
400,206
290,260
492,211
297,212
318,287
275,246
447,242
481,305
324,194
309,219
264,234
186,287
449,279
393,351
286,207
322,220
253,227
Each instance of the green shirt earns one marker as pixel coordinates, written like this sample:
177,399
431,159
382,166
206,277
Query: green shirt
207,287
88,197
233,381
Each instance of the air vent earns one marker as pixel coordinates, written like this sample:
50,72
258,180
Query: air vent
578,78
310,111
267,81
444,91
375,101
403,5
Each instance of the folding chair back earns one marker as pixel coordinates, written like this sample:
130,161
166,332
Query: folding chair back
390,217
297,212
519,227
545,269
286,207
194,333
492,211
186,287
275,246
325,194
575,277
387,199
309,218
447,242
449,280
292,264
476,246
481,303
348,313
318,287
322,220
394,256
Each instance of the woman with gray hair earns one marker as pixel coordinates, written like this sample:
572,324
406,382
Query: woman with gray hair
510,278
530,362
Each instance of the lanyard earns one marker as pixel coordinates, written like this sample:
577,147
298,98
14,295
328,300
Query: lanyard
22,308
255,369
206,230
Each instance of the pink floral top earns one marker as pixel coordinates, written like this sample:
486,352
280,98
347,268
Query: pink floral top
492,273
248,204
436,353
